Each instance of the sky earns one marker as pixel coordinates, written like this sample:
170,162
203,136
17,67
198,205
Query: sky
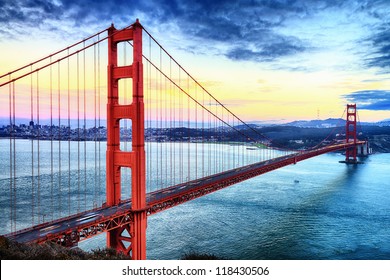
271,61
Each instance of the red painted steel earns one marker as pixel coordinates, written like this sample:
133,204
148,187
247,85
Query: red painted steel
129,239
350,134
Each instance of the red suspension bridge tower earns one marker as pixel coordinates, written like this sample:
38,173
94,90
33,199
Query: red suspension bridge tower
350,134
131,238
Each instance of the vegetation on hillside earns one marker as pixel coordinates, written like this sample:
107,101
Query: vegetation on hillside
10,250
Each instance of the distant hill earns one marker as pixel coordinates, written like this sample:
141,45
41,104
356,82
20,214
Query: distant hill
152,124
332,123
317,123
384,123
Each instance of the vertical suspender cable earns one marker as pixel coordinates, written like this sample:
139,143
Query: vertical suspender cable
39,156
176,140
209,139
146,97
189,132
231,166
220,159
219,140
234,148
11,178
59,140
32,128
243,150
173,127
160,123
95,178
166,126
85,130
196,129
99,118
149,119
14,156
212,133
181,128
203,136
11,102
10,154
78,133
51,143
69,136
171,107
156,88
223,141
230,155
216,160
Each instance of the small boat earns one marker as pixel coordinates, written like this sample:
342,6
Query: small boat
296,181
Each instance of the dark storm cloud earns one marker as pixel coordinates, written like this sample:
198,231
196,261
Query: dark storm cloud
269,50
378,42
249,29
27,12
370,99
69,16
381,49
237,24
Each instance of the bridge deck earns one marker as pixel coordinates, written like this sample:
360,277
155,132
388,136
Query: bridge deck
70,230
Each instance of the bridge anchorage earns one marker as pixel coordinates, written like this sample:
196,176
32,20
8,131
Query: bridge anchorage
184,142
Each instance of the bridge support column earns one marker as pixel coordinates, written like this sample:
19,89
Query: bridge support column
129,239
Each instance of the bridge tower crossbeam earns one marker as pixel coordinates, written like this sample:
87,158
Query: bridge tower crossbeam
129,239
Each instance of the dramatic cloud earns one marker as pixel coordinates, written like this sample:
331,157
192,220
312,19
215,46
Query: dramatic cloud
28,13
377,40
381,49
245,30
66,17
370,99
267,51
269,31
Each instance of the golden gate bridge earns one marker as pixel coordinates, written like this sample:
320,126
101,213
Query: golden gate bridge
102,148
